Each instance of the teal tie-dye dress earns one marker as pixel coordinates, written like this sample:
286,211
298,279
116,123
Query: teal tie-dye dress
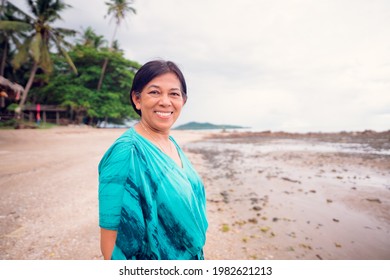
157,208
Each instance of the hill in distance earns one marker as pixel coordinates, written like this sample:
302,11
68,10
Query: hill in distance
202,126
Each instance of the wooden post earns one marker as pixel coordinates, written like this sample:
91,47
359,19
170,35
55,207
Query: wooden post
30,116
58,118
44,116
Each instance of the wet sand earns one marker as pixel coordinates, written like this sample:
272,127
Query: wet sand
268,198
289,196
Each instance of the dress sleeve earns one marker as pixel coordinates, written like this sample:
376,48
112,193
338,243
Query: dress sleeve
113,173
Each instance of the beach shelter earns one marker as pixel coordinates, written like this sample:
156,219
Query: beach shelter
9,90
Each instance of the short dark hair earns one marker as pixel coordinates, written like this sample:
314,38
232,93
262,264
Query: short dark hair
151,70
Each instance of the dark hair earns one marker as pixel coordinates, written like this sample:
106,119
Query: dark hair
151,70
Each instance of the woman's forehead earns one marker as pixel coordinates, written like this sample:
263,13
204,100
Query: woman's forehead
167,80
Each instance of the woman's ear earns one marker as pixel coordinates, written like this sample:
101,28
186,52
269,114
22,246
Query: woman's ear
136,99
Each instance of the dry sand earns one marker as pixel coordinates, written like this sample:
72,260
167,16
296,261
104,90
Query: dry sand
262,204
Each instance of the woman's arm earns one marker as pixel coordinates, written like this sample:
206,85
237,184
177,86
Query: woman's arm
107,242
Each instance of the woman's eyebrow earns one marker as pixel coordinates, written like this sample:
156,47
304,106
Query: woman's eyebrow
156,86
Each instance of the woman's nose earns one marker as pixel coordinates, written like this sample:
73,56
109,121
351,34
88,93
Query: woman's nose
165,100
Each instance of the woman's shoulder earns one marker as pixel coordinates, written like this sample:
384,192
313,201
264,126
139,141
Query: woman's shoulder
122,148
127,137
125,141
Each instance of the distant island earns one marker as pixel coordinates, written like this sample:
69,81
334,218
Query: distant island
202,126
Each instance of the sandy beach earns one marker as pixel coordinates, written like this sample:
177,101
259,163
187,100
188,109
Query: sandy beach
269,196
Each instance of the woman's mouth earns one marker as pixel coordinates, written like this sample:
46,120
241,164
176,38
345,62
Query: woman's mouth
163,114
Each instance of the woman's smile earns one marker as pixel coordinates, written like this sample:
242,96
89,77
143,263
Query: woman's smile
161,102
164,115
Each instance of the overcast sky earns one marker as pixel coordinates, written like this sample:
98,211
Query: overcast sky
294,65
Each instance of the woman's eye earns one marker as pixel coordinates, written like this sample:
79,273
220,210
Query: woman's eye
153,92
175,94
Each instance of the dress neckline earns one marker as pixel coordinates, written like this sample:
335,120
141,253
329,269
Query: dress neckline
155,147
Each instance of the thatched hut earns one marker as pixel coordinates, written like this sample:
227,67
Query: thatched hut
9,90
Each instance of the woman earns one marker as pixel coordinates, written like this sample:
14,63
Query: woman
151,200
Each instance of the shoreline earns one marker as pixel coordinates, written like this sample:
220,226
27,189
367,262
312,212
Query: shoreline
282,197
278,203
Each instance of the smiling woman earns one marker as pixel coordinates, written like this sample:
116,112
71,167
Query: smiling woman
151,200
159,104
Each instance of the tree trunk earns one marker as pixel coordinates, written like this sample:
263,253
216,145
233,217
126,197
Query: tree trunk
4,58
2,68
102,74
106,60
28,86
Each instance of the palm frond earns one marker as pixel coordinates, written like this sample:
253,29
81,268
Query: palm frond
65,31
22,55
58,36
59,44
16,26
46,63
35,47
70,61
33,7
12,12
50,9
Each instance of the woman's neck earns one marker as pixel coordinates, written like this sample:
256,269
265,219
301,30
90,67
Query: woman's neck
154,133
160,139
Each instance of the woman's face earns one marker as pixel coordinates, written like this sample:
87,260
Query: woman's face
160,102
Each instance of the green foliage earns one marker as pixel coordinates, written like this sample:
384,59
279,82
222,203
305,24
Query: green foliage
79,91
8,124
12,107
29,38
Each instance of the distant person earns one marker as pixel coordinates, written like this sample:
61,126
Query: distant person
151,200
38,109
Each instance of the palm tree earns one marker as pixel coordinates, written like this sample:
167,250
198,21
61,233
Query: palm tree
119,10
89,38
8,38
41,36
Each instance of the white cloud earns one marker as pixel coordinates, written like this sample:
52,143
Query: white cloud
281,64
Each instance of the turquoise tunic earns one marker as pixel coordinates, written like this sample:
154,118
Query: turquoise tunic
157,208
